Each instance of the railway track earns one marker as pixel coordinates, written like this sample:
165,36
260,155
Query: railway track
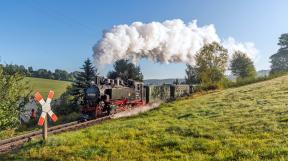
10,144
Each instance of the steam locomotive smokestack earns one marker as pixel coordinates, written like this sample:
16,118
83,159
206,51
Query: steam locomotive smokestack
171,41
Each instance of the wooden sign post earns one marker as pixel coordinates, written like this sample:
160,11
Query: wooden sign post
45,129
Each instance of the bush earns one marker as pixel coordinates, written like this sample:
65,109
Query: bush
74,116
223,83
14,93
66,104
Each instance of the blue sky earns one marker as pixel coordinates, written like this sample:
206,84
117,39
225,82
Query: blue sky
60,33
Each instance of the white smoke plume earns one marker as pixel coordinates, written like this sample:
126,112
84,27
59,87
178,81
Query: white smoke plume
136,111
171,41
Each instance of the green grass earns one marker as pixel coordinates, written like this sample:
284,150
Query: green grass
44,85
245,123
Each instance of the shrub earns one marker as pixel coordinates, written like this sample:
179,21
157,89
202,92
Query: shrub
14,93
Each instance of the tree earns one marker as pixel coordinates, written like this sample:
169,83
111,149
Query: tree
211,62
30,71
83,80
242,66
283,40
279,60
11,69
43,73
73,75
14,93
192,76
61,74
125,70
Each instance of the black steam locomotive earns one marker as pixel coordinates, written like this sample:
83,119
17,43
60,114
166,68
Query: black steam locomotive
108,96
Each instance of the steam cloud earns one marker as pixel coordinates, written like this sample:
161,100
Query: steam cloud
171,41
136,111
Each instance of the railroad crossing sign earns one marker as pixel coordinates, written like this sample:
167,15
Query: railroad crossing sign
46,109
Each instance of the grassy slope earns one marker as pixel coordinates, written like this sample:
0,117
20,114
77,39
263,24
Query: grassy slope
246,123
44,85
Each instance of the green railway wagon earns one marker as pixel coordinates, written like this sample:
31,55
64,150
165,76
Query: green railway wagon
156,93
179,91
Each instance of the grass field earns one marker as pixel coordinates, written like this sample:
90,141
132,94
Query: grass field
44,85
245,123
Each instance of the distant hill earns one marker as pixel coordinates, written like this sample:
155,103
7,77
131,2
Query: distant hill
44,85
161,81
262,73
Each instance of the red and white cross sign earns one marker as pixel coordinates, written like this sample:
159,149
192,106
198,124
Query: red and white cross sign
46,107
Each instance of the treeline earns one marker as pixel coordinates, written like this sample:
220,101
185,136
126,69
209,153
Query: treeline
211,63
58,74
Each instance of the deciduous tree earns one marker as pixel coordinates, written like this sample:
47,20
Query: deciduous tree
279,60
242,66
125,70
283,40
14,93
211,63
192,76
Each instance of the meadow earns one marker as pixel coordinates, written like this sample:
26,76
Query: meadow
44,85
244,123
